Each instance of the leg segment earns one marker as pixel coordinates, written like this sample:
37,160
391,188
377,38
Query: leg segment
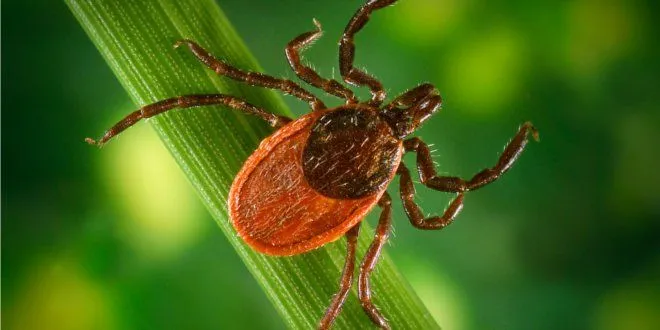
189,101
345,282
407,190
351,74
429,177
306,73
251,78
370,259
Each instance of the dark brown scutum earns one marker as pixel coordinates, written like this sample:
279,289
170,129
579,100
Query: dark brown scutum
350,153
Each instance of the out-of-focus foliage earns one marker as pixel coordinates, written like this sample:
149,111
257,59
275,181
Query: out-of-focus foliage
566,240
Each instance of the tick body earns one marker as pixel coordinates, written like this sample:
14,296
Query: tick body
315,178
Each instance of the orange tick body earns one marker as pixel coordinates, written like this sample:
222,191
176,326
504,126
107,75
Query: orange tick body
314,179
274,207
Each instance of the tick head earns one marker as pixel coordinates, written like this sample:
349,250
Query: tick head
407,112
424,109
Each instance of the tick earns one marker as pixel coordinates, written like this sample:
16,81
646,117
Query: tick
315,178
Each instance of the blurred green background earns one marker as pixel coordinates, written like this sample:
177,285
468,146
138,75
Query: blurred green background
568,239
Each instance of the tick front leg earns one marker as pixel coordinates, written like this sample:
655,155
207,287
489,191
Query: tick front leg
188,101
407,190
351,74
251,78
345,282
429,177
370,259
306,73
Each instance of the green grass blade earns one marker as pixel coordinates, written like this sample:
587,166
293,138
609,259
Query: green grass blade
210,144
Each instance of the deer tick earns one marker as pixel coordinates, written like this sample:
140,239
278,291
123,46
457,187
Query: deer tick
315,178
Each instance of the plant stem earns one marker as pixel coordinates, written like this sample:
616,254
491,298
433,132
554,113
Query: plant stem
210,144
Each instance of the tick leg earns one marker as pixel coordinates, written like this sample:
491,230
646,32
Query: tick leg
345,282
188,101
251,78
351,74
407,190
306,73
429,177
370,259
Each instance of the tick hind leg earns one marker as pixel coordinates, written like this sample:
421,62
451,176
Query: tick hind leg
351,74
345,282
306,73
189,101
429,177
251,78
370,259
407,190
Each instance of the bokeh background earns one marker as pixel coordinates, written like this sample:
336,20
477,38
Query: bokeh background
569,239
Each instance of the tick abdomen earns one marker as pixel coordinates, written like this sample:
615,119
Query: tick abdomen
276,211
350,153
